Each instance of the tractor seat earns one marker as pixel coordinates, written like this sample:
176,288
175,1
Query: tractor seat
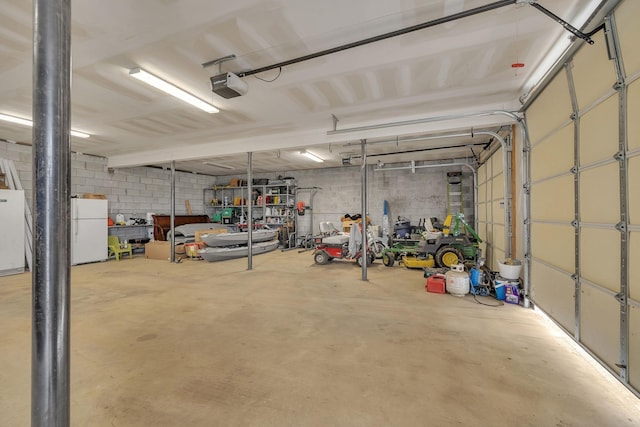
338,239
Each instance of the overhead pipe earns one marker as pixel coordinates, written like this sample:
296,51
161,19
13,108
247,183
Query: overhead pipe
50,365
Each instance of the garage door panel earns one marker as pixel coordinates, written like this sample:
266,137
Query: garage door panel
593,73
482,230
558,147
482,173
634,266
634,190
482,212
498,212
498,237
600,324
482,192
554,293
497,255
554,244
633,110
498,186
550,110
600,195
634,347
553,200
599,132
496,162
627,22
598,248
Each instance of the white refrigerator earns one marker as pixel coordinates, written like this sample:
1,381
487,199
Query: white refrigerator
89,230
11,232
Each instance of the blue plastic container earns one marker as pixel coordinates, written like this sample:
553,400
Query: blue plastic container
475,276
500,292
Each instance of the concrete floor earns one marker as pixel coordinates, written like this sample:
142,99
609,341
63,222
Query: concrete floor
296,344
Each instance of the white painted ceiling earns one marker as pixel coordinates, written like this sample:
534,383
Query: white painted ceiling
458,67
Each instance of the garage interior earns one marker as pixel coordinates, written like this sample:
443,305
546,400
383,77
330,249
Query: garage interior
515,116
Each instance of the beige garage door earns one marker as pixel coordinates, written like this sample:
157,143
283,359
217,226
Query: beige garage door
585,208
627,23
491,212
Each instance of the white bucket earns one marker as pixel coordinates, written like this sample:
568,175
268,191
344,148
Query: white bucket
510,271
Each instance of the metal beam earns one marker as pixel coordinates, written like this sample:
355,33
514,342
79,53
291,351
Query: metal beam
363,180
249,210
51,191
172,219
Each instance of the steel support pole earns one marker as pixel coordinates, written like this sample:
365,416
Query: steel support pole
172,220
52,182
250,209
363,176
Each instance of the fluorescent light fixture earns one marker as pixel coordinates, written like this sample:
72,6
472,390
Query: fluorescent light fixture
172,90
312,156
218,165
27,122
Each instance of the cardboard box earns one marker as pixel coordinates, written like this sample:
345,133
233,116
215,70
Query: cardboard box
94,196
157,250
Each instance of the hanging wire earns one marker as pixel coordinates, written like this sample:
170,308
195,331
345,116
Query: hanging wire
269,81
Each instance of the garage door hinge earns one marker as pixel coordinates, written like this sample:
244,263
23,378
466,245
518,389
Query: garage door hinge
573,116
574,170
618,85
621,298
621,227
574,277
619,156
575,223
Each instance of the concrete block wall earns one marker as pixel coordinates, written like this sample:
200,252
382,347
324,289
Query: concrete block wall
422,194
132,191
135,191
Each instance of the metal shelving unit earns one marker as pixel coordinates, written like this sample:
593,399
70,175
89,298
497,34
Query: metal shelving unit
273,204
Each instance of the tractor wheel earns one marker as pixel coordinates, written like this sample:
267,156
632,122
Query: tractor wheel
321,257
446,256
388,258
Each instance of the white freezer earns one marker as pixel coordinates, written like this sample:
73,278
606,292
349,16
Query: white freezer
89,230
12,238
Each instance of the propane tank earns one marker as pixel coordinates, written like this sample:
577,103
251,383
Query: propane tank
457,280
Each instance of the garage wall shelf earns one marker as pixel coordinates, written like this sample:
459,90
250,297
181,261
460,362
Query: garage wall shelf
273,204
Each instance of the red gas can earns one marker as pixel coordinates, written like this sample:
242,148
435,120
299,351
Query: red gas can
436,283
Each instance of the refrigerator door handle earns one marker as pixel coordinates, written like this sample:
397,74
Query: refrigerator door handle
75,217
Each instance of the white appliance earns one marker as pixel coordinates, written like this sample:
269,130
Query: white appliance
12,232
89,230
